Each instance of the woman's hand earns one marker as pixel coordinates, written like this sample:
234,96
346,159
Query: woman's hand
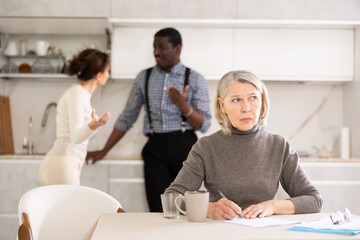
268,208
223,210
96,121
263,209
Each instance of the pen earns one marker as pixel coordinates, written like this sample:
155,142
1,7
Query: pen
223,196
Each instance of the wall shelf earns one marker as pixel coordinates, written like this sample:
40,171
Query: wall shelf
19,76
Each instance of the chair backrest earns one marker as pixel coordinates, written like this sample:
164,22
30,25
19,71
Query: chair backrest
64,211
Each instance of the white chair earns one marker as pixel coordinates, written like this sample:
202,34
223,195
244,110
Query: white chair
62,212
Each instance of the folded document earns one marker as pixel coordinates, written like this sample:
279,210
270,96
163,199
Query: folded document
325,225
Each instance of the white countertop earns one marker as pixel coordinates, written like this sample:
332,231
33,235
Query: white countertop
40,156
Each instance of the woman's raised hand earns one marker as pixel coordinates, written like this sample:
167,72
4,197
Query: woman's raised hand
96,121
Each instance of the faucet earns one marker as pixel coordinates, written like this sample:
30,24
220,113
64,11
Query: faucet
46,113
28,143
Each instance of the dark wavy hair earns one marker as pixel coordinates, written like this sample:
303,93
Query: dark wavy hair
87,64
172,33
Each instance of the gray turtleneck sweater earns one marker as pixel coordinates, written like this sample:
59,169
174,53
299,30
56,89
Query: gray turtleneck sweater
247,167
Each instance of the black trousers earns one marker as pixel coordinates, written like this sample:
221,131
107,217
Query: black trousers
163,156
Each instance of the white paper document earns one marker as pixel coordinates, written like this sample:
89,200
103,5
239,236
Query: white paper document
326,223
261,222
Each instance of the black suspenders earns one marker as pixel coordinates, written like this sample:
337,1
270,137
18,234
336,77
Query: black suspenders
148,72
186,82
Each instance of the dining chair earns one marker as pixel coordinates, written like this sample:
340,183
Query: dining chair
62,212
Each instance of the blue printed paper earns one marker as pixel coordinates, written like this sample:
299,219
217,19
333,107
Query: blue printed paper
325,225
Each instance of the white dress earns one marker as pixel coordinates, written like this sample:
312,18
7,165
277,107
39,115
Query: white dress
63,163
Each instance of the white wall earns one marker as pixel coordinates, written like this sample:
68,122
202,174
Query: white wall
351,103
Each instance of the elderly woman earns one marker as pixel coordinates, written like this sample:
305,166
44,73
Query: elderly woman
244,161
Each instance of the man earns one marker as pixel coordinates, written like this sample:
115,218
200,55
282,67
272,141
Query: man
176,103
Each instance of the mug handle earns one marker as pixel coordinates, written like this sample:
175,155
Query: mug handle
182,198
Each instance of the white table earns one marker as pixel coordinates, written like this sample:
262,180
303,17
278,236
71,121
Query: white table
155,226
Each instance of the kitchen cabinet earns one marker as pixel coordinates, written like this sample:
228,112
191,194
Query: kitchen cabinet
123,179
54,25
127,184
173,9
296,54
338,182
196,51
274,50
231,9
39,8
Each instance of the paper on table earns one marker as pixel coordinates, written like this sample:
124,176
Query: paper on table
325,225
261,222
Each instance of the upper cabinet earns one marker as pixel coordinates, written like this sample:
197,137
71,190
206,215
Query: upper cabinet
56,8
273,50
54,25
132,50
54,17
296,54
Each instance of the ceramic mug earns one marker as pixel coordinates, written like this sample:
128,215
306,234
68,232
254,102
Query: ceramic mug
42,48
196,203
11,49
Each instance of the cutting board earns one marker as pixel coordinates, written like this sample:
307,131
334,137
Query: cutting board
6,136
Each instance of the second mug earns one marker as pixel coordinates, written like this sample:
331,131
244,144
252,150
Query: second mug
196,203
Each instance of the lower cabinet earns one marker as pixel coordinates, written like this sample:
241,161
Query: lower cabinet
122,179
338,182
127,185
16,178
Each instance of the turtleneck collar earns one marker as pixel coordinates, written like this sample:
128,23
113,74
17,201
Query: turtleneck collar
235,131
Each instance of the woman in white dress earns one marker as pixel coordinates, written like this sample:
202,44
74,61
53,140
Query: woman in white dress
76,120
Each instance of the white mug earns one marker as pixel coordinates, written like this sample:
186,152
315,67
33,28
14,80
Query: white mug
196,203
42,48
11,49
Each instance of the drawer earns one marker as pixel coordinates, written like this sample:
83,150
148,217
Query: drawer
16,178
126,169
333,171
130,193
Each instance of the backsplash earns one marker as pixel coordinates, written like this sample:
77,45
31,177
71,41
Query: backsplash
291,104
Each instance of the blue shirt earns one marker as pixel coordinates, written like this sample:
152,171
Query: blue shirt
165,115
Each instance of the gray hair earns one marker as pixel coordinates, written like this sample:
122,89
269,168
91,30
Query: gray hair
243,77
